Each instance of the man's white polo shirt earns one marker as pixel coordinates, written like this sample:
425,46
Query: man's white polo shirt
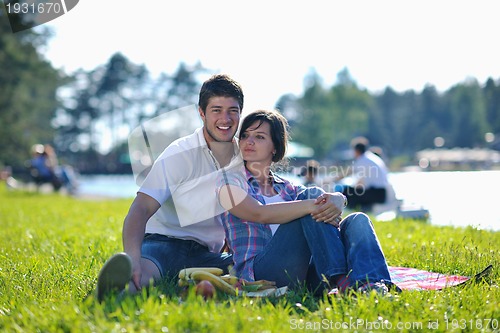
371,170
183,180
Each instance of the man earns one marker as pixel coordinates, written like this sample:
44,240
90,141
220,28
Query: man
174,221
370,177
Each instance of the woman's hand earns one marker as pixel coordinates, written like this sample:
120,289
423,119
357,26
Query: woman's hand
329,208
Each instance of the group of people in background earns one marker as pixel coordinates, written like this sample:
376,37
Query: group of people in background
44,168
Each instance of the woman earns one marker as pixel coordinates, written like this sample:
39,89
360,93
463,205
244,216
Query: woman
301,249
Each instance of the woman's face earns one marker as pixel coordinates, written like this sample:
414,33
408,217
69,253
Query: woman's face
256,144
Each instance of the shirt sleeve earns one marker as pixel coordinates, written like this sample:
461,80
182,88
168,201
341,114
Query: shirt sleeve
234,176
155,184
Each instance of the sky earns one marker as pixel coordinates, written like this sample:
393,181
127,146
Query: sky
270,46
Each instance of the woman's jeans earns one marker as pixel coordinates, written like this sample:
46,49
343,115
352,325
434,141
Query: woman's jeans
308,251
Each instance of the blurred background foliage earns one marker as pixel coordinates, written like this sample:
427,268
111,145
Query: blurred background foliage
87,115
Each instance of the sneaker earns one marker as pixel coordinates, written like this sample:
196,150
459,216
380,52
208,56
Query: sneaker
378,287
114,275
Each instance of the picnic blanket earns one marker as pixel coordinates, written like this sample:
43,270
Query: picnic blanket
416,279
405,278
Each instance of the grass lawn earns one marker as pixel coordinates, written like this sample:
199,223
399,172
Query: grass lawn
52,247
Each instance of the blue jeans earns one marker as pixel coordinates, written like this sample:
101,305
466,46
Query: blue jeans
171,255
306,251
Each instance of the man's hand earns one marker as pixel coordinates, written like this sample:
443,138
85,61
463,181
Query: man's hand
136,274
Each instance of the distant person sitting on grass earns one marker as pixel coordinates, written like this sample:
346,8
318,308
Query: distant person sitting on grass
310,173
44,168
6,175
370,177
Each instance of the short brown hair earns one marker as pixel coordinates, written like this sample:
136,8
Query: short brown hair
220,85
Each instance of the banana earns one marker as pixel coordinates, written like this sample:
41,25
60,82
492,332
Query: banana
232,280
228,284
182,283
261,282
217,281
185,273
265,287
238,283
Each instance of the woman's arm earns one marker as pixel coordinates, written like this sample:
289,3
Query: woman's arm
239,203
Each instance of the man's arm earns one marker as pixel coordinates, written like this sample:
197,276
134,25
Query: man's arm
134,226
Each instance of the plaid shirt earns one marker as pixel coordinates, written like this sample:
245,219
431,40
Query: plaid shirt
246,239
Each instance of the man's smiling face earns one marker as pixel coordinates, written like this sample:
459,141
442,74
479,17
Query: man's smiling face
220,119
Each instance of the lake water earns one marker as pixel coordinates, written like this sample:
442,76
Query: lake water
452,198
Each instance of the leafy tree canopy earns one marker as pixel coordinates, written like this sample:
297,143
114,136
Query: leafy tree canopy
28,93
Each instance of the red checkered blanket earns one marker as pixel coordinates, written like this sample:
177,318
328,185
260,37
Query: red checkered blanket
416,279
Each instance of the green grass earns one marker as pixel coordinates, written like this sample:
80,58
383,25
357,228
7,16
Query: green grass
52,247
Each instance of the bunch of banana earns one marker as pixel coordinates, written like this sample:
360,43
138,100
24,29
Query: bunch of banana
228,284
210,274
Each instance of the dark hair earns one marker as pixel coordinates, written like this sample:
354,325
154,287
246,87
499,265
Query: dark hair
279,129
360,144
312,167
220,85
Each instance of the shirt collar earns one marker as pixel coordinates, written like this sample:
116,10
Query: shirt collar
203,142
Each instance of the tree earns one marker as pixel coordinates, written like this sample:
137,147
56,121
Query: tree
312,116
116,95
350,111
492,103
392,120
433,120
27,95
103,106
182,88
401,123
98,103
468,111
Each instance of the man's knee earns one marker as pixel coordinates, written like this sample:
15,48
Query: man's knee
150,272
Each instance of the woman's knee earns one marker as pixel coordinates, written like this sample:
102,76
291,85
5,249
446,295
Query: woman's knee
357,220
311,193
